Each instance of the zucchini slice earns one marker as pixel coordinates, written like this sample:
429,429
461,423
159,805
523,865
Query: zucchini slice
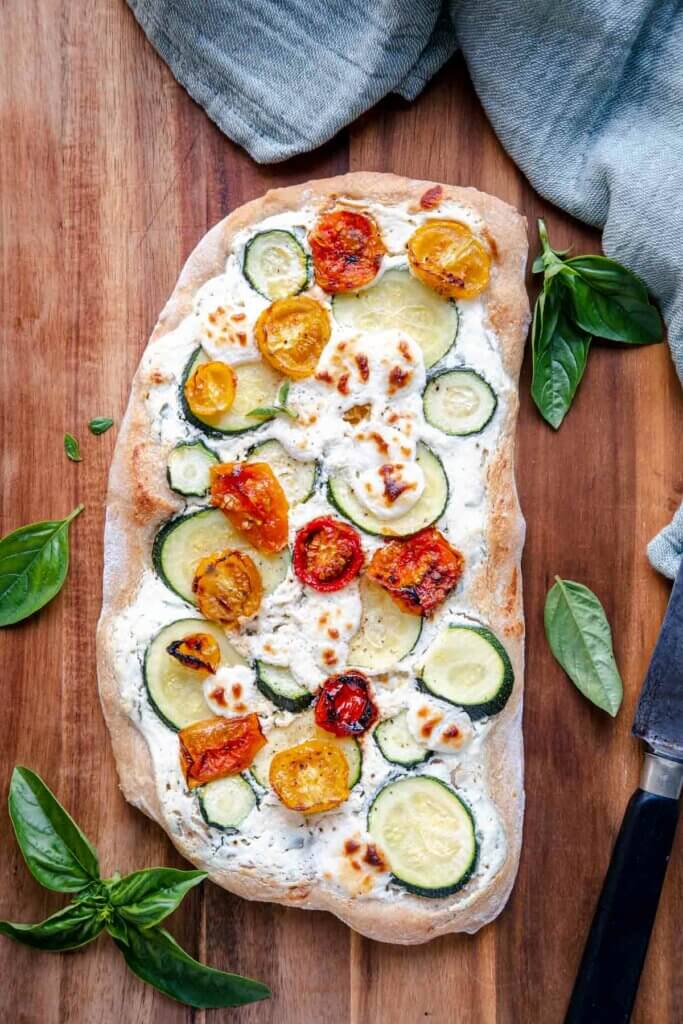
257,385
175,692
425,512
427,834
397,743
188,467
279,686
226,802
275,265
386,633
459,402
399,300
182,542
301,729
469,667
297,477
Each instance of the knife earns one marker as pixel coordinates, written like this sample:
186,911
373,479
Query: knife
608,976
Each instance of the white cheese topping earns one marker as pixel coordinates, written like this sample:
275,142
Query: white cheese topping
436,726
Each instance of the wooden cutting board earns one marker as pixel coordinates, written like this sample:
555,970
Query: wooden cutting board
109,175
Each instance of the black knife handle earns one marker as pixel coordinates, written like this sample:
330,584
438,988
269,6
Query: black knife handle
607,982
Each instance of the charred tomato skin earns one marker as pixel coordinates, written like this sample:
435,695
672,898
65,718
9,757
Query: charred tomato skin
419,572
219,746
347,250
345,706
327,554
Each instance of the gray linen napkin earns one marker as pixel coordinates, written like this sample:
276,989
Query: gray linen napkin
585,95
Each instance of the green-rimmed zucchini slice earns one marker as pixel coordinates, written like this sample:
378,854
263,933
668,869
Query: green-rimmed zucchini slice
175,692
257,386
459,402
303,728
399,300
275,264
226,802
469,667
397,743
297,477
426,833
425,512
279,686
188,468
386,633
181,544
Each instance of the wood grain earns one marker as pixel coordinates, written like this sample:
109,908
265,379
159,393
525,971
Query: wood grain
109,174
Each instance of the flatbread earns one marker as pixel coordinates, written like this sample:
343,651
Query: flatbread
139,501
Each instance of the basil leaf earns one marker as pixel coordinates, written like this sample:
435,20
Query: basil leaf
34,561
580,638
73,926
71,448
264,411
57,853
156,957
117,928
283,393
148,896
611,302
100,425
560,353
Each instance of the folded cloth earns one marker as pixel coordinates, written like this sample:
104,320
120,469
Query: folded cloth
666,550
586,95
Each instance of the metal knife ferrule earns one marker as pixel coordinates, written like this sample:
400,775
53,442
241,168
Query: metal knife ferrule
662,776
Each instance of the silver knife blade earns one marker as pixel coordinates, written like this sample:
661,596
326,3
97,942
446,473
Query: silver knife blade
659,714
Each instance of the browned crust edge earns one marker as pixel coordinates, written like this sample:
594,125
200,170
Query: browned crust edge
139,499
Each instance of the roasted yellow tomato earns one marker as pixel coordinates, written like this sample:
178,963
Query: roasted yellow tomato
311,777
198,651
291,334
448,257
228,587
210,390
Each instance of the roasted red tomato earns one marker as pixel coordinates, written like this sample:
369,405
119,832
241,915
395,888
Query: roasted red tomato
345,706
347,251
419,573
219,746
327,554
253,500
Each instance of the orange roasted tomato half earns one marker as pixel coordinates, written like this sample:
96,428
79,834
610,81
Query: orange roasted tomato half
448,257
252,498
418,573
327,554
228,587
291,334
210,391
219,746
347,251
198,651
311,777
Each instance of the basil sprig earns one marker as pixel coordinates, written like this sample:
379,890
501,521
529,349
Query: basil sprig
280,408
129,908
582,298
34,561
580,638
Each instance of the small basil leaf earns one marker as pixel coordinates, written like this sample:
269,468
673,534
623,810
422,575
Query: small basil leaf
71,927
560,352
100,425
611,302
34,561
580,638
57,853
156,957
117,928
283,393
148,896
72,448
264,411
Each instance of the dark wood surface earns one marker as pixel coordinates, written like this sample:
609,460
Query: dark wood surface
109,175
